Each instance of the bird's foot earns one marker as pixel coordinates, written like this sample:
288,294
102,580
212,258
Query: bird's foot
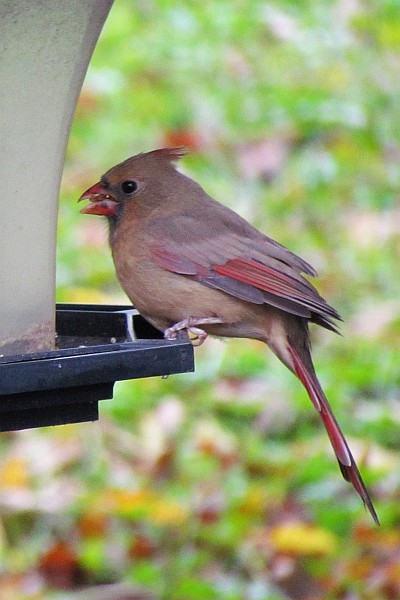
190,324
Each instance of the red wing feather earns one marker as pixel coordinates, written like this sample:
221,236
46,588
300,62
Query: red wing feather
263,277
276,283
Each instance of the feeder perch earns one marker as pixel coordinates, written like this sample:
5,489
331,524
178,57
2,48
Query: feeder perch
55,364
96,346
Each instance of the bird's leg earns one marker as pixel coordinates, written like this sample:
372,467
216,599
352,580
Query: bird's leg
190,324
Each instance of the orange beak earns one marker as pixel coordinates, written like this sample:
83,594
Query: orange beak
101,201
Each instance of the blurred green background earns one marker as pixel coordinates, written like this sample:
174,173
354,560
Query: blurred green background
221,484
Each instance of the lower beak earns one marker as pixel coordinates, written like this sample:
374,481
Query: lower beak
101,202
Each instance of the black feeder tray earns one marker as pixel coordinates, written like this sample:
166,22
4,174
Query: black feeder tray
96,346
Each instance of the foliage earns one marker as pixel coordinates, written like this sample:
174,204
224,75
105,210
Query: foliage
221,484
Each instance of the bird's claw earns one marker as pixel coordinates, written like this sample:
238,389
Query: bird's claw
190,324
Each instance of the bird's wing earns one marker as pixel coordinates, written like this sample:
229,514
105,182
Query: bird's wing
237,259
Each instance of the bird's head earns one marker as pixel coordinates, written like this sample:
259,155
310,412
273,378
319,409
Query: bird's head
141,181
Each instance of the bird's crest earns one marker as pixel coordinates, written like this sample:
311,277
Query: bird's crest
161,155
169,154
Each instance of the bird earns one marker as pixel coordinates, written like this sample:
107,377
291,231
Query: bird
187,262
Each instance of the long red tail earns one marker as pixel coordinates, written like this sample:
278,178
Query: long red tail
345,458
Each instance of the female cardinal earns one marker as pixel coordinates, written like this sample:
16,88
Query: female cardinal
188,262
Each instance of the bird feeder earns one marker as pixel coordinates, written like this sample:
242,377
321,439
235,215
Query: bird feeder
56,363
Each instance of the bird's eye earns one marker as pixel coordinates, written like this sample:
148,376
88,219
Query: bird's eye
128,187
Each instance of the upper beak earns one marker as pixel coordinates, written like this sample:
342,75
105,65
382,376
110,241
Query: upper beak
101,201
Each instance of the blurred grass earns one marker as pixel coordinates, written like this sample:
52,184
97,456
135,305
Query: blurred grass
293,113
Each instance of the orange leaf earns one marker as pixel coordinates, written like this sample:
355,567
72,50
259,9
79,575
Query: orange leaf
59,566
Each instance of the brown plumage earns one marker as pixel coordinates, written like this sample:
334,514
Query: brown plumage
186,261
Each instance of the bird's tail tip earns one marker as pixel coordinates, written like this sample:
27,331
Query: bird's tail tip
342,451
